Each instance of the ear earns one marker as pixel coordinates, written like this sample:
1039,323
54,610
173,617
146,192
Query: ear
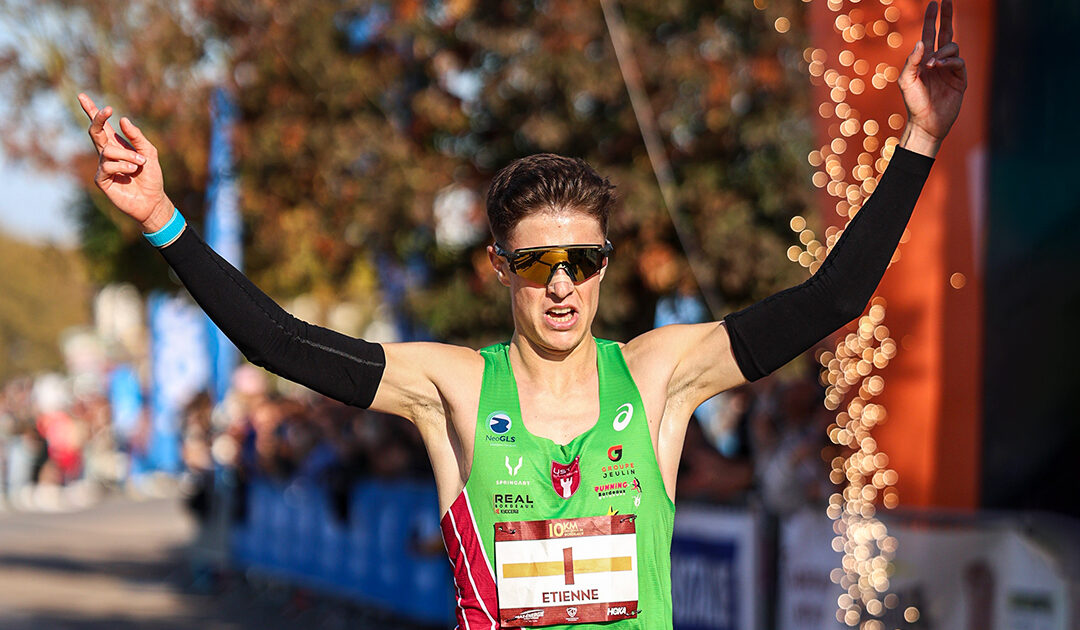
498,263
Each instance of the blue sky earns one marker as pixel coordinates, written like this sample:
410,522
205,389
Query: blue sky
34,205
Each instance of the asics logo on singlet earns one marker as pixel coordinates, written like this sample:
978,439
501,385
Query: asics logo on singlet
622,417
499,422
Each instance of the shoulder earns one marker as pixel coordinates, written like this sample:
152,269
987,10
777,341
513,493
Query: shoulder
667,343
434,359
424,378
654,356
682,356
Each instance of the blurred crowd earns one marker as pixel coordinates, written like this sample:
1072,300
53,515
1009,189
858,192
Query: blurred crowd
763,444
56,450
299,436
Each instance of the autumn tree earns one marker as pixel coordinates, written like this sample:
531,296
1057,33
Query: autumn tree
356,118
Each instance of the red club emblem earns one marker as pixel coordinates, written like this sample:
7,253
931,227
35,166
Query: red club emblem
566,478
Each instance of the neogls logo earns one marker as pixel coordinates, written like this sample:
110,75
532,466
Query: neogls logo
623,416
499,423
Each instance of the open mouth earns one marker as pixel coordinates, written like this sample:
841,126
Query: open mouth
561,315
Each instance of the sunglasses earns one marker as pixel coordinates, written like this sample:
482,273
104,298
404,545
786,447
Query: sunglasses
539,264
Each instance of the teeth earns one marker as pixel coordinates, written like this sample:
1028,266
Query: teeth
560,311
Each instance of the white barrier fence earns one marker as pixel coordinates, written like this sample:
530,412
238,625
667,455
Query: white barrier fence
961,574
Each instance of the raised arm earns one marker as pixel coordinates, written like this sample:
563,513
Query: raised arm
753,342
344,368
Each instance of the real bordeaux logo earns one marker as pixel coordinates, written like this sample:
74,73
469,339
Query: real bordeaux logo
499,422
615,453
510,503
566,478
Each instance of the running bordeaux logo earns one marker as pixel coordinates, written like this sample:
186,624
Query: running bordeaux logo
565,478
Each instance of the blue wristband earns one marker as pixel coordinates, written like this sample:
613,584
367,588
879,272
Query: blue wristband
167,234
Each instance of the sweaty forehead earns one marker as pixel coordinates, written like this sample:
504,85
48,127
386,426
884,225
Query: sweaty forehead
555,227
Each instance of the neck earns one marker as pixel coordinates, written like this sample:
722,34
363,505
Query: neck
557,371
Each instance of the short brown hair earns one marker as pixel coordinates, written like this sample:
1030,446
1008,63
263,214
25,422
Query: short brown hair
546,181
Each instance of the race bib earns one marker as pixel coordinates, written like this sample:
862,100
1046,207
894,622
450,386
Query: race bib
569,570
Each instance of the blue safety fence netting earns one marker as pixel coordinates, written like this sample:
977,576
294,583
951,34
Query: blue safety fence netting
386,551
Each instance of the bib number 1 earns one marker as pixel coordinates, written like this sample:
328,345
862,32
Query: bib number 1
566,571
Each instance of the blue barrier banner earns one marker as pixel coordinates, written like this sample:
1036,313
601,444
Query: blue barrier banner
179,369
125,400
224,228
389,553
714,570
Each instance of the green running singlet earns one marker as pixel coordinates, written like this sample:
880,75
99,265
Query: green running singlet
517,476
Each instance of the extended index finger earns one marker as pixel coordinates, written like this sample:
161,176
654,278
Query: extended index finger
98,132
929,27
945,34
88,105
97,124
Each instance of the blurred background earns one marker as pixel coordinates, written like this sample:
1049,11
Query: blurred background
916,470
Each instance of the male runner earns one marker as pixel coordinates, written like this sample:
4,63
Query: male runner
555,455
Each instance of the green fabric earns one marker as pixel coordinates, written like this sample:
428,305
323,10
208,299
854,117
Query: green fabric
496,474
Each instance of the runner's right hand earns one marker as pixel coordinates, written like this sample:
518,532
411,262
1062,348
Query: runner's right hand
128,172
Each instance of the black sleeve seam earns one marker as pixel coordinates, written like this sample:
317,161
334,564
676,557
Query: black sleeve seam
291,334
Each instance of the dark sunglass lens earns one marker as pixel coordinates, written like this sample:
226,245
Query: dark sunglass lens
539,265
587,261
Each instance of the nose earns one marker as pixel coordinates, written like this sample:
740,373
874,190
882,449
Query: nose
560,284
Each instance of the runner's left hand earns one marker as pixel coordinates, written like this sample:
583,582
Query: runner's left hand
934,78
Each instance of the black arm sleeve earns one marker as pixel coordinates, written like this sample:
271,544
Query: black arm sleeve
328,362
769,333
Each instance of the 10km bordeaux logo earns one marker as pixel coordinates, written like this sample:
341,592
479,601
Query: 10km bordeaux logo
557,529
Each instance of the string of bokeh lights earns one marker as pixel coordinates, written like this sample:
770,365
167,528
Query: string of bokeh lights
848,167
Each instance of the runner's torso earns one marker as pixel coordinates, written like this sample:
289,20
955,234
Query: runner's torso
610,469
